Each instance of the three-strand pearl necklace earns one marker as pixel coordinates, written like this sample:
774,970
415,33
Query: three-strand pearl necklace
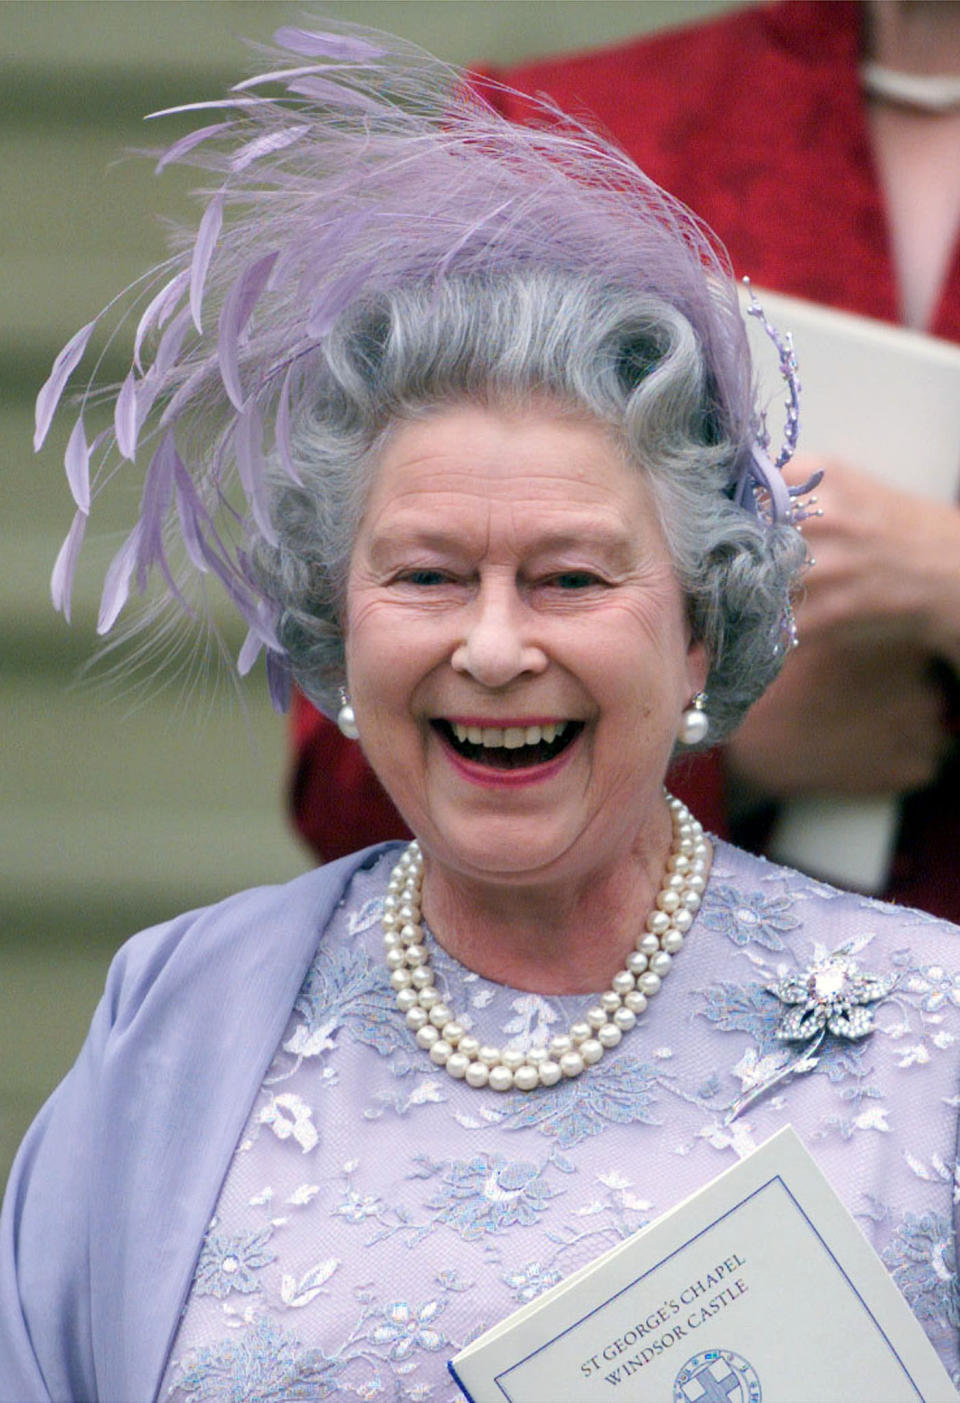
440,1033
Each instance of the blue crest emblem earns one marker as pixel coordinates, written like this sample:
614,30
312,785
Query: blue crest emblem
717,1376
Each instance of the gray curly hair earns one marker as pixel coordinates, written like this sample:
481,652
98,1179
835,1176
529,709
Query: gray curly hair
626,357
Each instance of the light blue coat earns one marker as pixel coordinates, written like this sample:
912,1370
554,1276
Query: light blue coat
189,1021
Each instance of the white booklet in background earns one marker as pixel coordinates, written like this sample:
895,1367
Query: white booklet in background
887,400
759,1288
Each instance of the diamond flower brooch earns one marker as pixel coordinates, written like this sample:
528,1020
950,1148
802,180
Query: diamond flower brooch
831,996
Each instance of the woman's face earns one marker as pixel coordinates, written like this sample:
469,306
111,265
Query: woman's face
517,649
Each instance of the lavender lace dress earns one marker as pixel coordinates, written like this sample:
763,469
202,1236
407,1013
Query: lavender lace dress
377,1215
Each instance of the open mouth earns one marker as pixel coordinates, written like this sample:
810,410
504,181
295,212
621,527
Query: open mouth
509,747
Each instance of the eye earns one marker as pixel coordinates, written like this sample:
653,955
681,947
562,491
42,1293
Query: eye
574,579
424,578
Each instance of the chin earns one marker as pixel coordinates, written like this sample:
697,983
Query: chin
506,848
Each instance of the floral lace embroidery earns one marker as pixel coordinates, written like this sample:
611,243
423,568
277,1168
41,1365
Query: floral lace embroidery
487,1194
750,916
228,1263
922,1258
615,1093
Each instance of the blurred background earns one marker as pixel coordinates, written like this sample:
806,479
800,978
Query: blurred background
119,808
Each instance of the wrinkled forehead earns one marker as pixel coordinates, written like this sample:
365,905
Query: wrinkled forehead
526,478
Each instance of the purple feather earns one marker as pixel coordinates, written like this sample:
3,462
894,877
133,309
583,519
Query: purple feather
77,463
278,75
61,580
281,430
63,367
470,234
158,310
190,511
227,576
248,446
327,242
237,309
318,45
171,342
266,620
157,492
262,145
206,106
125,417
322,90
279,680
246,603
335,299
181,148
116,585
183,395
250,651
207,236
147,391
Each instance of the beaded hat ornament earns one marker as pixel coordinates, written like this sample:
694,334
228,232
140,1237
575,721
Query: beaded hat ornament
354,164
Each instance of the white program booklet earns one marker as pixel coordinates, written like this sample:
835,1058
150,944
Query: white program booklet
886,400
759,1288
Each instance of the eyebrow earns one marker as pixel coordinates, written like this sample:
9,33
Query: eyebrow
616,545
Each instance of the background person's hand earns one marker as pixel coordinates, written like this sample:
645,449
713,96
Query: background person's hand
859,708
885,558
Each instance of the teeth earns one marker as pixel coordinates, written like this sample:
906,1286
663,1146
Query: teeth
509,737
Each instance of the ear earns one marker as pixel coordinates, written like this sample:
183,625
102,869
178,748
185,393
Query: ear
697,667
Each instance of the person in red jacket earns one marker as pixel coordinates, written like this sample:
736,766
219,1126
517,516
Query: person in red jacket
838,180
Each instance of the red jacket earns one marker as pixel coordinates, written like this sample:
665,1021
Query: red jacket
755,120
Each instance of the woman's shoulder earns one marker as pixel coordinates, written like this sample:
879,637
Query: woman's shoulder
148,1117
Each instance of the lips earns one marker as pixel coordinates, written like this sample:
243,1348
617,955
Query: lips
509,747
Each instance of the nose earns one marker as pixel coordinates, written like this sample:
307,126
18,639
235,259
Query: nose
498,643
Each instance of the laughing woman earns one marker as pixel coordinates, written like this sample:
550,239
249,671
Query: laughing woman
460,416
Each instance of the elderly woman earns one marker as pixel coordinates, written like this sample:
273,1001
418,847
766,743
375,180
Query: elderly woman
514,525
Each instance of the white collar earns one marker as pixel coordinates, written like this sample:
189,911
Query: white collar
925,92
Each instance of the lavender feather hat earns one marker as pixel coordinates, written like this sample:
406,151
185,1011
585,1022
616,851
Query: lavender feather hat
356,164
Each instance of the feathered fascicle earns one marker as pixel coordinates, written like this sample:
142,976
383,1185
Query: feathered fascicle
157,312
77,463
180,148
351,165
61,370
61,580
206,241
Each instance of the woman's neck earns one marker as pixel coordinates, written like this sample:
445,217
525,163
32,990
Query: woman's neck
564,937
917,153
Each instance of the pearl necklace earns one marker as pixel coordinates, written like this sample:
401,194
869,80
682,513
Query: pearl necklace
440,1033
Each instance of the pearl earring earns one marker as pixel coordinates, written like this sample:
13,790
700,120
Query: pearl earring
694,723
346,720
